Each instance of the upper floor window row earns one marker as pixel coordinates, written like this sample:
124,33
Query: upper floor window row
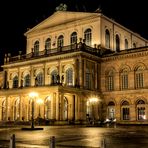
124,79
117,41
59,42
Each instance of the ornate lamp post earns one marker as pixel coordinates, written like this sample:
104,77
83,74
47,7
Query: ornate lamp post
33,96
93,101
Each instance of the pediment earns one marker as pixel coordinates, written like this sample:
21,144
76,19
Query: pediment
60,17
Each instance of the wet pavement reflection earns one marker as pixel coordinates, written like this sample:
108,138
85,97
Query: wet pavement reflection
77,136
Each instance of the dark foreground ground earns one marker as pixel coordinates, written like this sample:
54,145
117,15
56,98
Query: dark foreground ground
77,137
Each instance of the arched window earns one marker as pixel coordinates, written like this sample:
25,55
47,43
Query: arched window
36,48
107,38
40,79
88,37
110,81
139,78
126,44
54,74
17,109
88,79
111,110
27,80
125,110
73,38
134,45
47,113
124,79
69,77
141,111
48,44
15,82
4,110
65,117
60,42
117,43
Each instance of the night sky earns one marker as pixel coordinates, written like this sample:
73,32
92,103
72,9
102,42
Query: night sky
18,15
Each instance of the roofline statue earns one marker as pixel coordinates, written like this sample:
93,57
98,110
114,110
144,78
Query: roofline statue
61,7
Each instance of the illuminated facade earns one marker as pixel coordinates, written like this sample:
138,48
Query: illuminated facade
82,65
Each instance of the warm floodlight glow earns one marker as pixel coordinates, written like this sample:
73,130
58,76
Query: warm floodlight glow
93,100
33,94
39,101
49,98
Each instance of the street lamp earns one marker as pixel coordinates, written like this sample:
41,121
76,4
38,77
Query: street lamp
33,96
93,101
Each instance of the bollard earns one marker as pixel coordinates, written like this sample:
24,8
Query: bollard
12,141
52,142
103,144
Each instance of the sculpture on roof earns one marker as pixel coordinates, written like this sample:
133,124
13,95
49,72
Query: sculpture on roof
61,7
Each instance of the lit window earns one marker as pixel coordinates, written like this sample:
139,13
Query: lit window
48,44
36,48
15,82
107,39
124,79
27,80
141,112
111,110
69,77
126,44
54,74
139,77
117,43
125,110
73,38
60,41
88,37
110,81
40,79
88,79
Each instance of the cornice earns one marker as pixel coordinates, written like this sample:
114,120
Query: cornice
125,55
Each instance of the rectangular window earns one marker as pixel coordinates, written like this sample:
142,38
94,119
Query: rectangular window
124,80
110,83
88,82
139,80
125,113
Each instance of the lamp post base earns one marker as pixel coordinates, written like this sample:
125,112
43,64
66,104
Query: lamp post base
30,128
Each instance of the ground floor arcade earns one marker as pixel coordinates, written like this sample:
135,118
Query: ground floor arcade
49,103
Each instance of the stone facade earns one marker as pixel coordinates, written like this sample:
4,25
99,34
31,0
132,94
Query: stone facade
81,66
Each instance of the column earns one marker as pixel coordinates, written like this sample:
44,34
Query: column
19,78
81,73
20,118
84,69
76,70
131,80
53,109
133,112
57,106
32,75
118,112
61,106
96,77
116,81
76,107
7,110
73,107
